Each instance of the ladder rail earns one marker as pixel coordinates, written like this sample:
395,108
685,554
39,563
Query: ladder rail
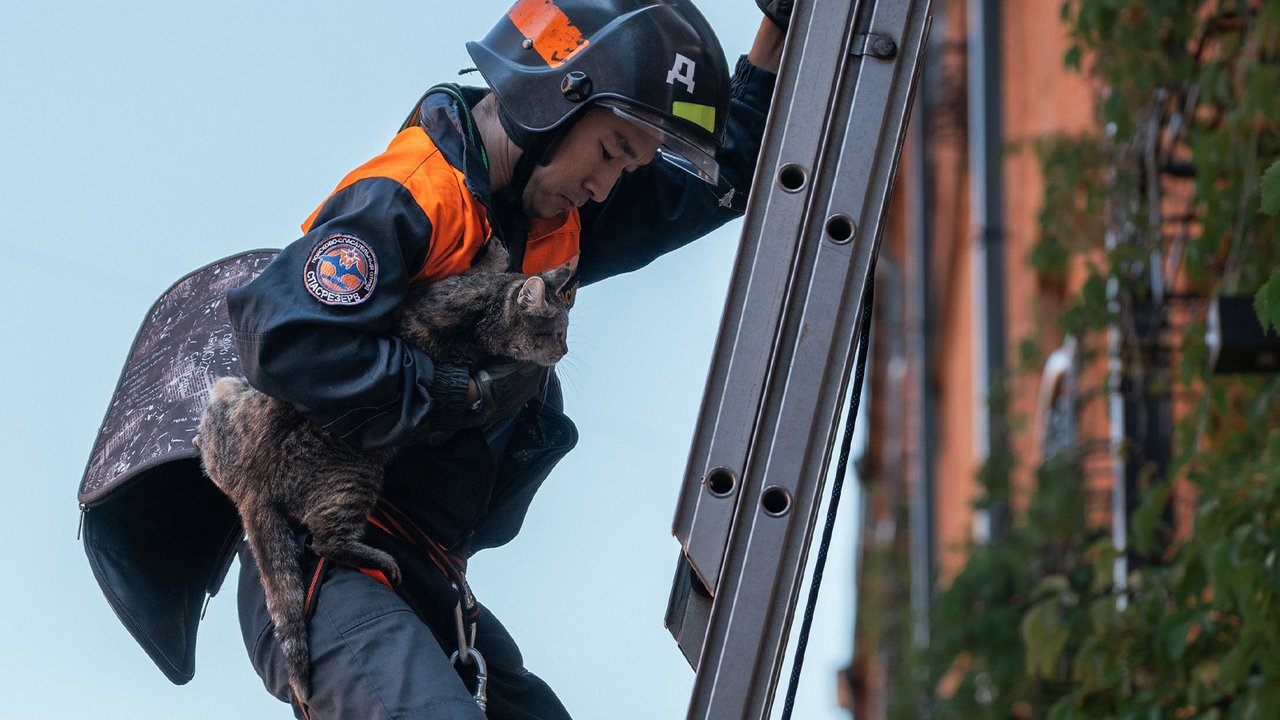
753,310
767,430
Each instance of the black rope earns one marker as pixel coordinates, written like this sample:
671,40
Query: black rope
820,562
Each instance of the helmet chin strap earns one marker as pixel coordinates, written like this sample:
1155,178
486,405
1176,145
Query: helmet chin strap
535,148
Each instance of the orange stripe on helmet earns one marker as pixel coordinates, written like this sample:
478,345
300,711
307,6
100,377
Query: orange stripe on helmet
554,37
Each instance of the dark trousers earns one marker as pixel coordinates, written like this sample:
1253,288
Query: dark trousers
373,658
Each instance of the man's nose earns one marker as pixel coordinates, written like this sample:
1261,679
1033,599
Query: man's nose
601,182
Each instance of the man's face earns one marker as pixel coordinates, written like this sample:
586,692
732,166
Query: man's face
598,149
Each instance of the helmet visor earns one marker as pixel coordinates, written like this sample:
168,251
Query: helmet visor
679,146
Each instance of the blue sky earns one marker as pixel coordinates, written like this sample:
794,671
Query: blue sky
140,140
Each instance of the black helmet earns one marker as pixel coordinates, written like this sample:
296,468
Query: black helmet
656,62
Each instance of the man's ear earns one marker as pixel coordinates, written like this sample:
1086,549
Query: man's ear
533,294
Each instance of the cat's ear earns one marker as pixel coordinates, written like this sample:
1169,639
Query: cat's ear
562,281
493,257
533,294
558,277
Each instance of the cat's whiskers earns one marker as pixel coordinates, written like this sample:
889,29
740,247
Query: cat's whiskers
569,370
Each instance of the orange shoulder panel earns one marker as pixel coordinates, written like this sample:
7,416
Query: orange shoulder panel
459,224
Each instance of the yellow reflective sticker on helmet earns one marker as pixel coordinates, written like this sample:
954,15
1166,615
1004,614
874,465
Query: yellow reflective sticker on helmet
701,115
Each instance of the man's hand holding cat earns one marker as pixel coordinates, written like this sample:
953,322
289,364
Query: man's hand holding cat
473,398
501,390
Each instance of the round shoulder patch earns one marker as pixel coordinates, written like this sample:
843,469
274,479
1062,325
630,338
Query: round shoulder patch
342,270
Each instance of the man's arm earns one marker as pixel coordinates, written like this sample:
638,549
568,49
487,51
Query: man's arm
766,51
332,354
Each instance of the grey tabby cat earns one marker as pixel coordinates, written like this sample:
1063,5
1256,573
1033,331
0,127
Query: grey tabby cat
279,469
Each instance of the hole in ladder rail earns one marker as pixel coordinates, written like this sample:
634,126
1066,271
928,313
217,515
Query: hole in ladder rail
776,501
721,482
840,228
792,177
695,583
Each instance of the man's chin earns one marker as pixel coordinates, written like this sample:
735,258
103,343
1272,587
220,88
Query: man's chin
548,210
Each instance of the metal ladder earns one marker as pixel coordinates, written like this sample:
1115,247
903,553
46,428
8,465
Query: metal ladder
767,426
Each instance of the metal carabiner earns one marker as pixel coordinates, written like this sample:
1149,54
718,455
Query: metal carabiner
465,639
482,674
463,646
466,651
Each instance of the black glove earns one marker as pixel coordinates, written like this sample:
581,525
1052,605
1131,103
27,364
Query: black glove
504,389
779,11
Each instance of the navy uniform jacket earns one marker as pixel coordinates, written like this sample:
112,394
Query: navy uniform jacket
315,327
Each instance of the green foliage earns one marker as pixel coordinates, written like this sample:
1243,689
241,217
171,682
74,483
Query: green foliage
1267,302
1271,189
1037,624
1006,625
1070,219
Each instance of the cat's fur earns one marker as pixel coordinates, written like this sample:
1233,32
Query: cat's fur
280,470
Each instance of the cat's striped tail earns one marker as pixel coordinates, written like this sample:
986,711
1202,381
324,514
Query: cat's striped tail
274,547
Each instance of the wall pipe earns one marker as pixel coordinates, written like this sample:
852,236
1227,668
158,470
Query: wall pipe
987,214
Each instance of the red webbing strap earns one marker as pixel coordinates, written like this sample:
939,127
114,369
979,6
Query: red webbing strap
313,588
390,520
396,523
